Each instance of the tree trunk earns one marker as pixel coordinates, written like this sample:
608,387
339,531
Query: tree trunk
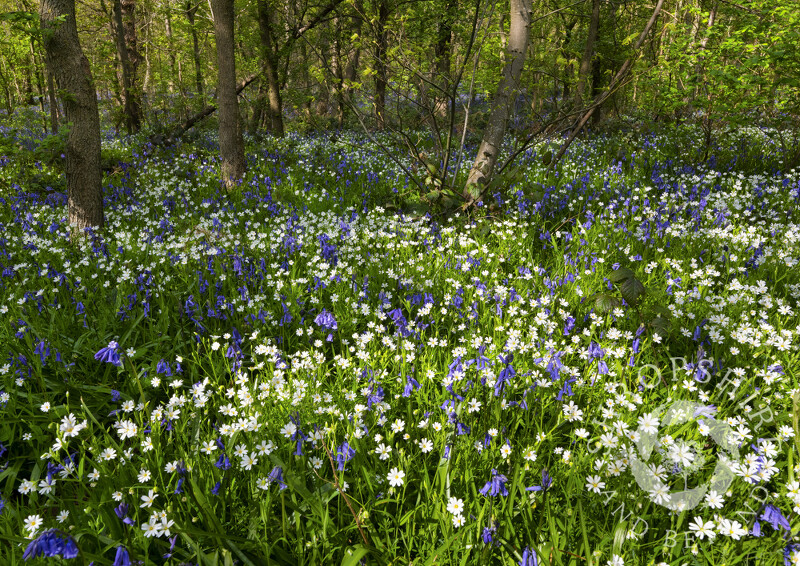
132,108
174,66
259,107
700,68
69,66
568,72
6,88
269,56
482,169
191,11
441,78
381,47
585,69
51,95
231,144
337,70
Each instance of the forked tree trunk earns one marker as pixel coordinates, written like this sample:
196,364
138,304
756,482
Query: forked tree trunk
517,48
69,66
231,143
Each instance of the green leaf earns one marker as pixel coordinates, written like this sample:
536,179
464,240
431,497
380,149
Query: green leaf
632,289
620,274
433,196
606,303
352,559
620,534
660,325
662,311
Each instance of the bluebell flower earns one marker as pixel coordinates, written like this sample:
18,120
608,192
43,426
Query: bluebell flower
529,557
488,534
109,354
52,543
566,389
496,485
756,530
122,558
172,540
122,512
115,395
411,385
482,361
276,475
788,550
547,481
505,375
223,463
569,325
163,367
344,454
554,366
326,321
215,489
595,351
775,518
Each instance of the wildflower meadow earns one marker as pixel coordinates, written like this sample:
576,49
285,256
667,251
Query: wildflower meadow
597,366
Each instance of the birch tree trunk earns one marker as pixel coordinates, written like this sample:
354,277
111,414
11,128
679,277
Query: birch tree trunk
69,66
516,49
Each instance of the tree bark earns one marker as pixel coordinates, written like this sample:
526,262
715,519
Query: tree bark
51,95
270,58
130,100
191,11
442,59
585,69
69,66
174,63
231,143
517,48
700,68
381,48
337,71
